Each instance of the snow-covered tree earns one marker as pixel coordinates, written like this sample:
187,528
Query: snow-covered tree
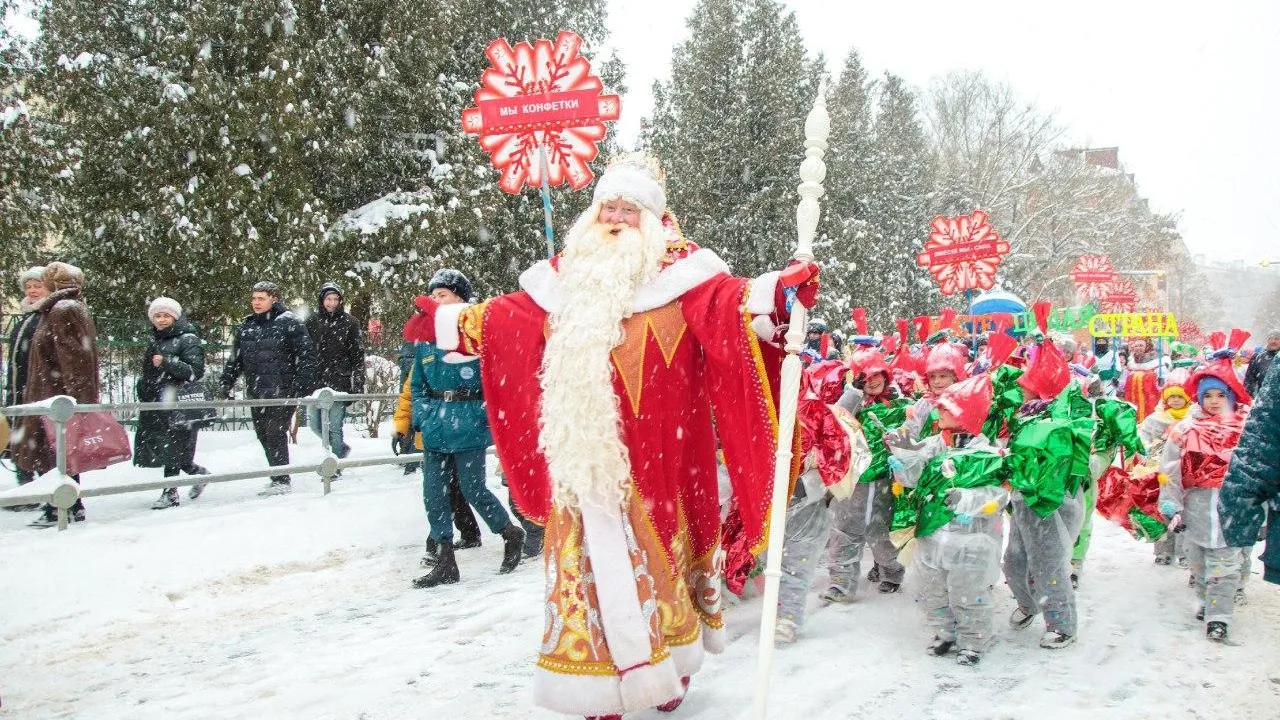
728,127
31,163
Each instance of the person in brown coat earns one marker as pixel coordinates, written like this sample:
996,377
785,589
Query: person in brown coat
63,361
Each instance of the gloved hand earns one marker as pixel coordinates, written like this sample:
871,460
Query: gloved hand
225,393
1175,523
860,381
397,441
803,279
780,335
900,439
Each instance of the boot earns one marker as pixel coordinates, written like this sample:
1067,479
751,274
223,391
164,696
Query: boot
168,499
940,646
1020,619
277,487
604,717
889,587
1216,631
467,542
968,657
432,555
873,575
512,547
444,573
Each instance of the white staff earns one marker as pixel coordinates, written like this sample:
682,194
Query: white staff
812,172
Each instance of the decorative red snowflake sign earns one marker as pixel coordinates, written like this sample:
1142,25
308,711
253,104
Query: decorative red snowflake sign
1192,334
963,252
1091,275
540,95
1119,296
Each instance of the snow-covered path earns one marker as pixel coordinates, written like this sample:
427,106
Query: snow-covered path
235,606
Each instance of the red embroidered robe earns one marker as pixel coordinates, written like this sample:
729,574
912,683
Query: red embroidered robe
633,597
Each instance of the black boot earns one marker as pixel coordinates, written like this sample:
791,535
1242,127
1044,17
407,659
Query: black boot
444,573
432,555
512,547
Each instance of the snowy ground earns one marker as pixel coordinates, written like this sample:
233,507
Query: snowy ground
235,606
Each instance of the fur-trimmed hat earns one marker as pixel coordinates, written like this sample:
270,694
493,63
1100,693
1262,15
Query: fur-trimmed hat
164,304
32,273
634,177
452,280
59,275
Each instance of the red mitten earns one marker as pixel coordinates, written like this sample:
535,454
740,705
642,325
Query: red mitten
422,326
801,276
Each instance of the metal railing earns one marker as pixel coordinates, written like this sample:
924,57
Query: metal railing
65,491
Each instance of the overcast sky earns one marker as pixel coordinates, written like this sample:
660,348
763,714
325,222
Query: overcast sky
1190,92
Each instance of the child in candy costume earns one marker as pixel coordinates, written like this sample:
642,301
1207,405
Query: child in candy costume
956,476
865,517
835,454
1175,405
1195,459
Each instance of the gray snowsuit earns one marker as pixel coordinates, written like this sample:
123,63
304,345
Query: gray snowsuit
1037,562
808,521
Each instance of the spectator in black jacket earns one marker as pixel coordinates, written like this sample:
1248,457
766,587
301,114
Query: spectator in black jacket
1260,363
340,353
24,327
274,353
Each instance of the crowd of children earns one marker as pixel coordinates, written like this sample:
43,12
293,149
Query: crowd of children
943,443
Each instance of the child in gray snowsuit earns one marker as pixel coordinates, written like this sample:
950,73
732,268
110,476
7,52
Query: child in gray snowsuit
808,515
864,518
1193,462
960,499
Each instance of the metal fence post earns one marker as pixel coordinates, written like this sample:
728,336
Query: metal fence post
61,409
324,405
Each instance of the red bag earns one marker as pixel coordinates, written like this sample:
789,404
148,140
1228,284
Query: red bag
94,441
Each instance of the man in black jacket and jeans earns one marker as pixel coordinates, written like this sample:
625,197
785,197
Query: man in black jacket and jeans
340,352
274,353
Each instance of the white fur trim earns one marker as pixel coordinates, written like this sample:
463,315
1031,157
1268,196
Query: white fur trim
649,686
625,629
542,282
631,183
447,337
599,694
35,272
763,327
713,641
761,292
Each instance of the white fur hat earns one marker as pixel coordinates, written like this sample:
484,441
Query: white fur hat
31,273
164,304
636,178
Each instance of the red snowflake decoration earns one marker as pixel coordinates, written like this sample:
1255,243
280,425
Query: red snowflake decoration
540,95
1119,296
963,252
1192,334
1092,274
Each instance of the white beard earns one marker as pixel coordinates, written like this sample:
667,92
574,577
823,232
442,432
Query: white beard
581,415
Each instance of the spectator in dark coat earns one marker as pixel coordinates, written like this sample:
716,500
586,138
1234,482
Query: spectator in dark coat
31,283
274,353
174,356
64,361
340,353
1261,362
1251,488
